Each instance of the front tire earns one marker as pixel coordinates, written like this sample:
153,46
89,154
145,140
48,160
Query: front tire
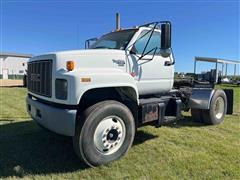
104,133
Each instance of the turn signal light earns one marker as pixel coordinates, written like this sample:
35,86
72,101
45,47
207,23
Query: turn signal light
70,65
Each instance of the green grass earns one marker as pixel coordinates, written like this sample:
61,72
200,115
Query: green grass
185,150
12,104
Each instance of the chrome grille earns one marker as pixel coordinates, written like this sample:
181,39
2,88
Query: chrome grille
39,76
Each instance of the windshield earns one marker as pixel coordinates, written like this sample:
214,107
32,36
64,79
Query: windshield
114,40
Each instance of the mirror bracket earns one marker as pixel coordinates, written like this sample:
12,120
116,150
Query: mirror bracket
154,52
169,63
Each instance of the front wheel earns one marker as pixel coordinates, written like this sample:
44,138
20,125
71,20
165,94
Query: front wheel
104,133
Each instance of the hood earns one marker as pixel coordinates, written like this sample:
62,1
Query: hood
90,58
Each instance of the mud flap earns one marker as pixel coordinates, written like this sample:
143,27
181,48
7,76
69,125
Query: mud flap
229,94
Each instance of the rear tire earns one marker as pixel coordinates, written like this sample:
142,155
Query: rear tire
218,108
104,133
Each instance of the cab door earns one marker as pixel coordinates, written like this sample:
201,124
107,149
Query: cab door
151,74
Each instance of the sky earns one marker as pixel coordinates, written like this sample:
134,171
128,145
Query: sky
199,28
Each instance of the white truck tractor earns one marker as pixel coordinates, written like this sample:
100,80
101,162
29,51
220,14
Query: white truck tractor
124,80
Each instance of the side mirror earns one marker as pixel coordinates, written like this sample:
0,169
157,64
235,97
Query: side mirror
166,39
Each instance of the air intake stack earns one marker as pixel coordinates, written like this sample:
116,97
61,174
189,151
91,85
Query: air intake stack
118,22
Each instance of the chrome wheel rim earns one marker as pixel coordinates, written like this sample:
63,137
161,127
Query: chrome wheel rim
219,107
109,135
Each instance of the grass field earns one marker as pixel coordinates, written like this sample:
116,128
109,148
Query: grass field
184,150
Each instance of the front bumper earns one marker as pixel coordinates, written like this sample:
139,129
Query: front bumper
58,120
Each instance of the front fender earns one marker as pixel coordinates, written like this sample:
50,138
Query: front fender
99,78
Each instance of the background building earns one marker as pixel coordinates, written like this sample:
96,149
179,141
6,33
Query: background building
13,65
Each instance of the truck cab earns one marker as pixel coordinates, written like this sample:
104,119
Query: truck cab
100,95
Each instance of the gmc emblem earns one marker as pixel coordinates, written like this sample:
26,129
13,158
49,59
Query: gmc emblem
35,77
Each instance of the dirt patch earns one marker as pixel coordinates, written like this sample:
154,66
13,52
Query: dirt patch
10,82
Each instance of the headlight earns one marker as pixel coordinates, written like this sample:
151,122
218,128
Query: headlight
61,89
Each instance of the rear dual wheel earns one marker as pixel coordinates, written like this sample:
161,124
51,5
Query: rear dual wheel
104,133
216,112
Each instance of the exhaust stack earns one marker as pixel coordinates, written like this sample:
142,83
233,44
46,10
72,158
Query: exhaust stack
118,22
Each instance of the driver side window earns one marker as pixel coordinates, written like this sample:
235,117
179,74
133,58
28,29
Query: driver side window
153,43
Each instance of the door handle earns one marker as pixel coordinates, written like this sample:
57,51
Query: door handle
169,63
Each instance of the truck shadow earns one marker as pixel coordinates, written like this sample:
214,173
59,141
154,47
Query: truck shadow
27,149
186,121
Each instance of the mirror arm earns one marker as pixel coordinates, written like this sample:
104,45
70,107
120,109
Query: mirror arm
153,49
173,56
137,40
152,30
137,56
172,62
148,60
